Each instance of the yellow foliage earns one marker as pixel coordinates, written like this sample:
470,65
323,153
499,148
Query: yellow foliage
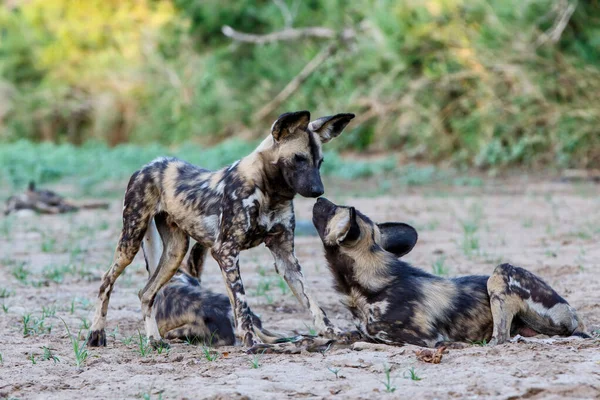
87,43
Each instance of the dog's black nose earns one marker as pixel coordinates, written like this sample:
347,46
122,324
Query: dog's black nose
316,191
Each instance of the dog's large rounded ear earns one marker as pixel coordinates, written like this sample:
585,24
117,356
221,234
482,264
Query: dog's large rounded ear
330,127
397,238
288,123
351,230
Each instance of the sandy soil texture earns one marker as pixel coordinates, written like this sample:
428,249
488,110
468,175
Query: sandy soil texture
50,268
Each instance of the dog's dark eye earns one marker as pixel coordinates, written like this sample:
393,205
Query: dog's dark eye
300,158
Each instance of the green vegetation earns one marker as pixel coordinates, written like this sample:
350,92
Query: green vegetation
48,355
94,163
389,387
255,359
33,325
481,343
334,371
478,82
144,347
411,374
79,348
20,273
439,267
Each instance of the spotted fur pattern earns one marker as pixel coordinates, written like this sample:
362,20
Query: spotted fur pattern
395,303
226,211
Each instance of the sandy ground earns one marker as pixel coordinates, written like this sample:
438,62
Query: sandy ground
551,228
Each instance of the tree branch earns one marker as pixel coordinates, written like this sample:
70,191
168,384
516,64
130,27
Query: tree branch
295,83
560,23
287,34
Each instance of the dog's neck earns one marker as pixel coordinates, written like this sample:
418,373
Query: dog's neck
267,173
365,267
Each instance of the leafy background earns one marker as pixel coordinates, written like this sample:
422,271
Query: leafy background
484,83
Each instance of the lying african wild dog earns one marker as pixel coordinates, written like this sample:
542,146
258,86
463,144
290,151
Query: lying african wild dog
227,211
186,311
45,202
395,303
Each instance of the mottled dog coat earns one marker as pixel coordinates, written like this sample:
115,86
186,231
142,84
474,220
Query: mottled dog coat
186,311
226,211
393,302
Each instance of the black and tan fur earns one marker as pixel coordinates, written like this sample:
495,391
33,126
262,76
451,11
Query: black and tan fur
226,211
395,303
186,311
45,202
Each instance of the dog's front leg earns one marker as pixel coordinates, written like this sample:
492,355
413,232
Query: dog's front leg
227,256
288,267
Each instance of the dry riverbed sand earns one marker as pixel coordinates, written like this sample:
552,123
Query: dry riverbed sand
50,268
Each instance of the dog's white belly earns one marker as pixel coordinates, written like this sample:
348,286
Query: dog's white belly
202,228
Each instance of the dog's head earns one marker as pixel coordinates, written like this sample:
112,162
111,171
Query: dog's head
297,148
346,228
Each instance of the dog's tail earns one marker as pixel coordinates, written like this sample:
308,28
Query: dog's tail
91,205
580,330
266,335
152,247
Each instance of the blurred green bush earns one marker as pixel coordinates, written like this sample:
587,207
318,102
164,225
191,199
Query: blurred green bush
484,83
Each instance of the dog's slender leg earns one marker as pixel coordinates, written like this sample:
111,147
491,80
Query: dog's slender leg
126,250
227,257
137,211
175,245
288,267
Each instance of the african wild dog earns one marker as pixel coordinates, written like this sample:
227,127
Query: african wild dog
186,311
45,202
226,211
395,303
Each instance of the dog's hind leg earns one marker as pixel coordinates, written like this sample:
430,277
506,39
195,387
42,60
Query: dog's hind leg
175,245
129,245
516,292
140,200
504,304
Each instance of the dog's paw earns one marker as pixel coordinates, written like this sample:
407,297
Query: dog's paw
158,343
348,337
97,338
260,348
497,340
331,332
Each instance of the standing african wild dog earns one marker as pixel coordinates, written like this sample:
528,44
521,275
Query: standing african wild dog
227,211
393,302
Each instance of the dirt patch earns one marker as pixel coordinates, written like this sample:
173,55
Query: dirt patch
50,268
